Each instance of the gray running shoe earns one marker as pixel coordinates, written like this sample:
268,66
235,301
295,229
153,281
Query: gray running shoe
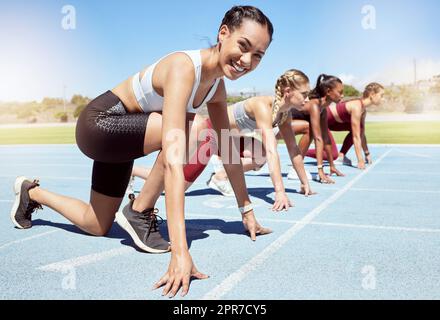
347,162
143,228
24,206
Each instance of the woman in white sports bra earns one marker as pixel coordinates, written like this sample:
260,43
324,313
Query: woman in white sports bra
147,113
267,116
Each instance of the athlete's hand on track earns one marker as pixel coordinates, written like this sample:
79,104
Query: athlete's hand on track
252,226
306,190
282,202
369,159
323,178
179,274
361,165
335,171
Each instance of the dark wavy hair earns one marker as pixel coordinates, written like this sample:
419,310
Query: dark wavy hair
323,83
235,16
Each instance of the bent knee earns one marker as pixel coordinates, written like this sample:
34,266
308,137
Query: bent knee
98,230
95,227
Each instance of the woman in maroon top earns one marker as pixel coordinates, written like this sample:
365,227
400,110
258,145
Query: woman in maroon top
313,115
350,116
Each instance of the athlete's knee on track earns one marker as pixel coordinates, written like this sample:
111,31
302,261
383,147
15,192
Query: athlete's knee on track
99,231
97,223
99,228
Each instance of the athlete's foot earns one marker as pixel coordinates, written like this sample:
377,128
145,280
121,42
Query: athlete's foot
222,186
143,228
347,162
24,206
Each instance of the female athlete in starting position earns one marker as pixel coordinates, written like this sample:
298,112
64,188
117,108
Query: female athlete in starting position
148,112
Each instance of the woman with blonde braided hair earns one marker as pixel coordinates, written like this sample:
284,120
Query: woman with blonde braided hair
263,116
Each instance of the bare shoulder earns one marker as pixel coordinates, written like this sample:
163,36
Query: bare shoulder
354,105
311,105
177,63
261,107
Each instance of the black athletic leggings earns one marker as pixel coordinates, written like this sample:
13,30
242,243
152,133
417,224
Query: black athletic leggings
113,138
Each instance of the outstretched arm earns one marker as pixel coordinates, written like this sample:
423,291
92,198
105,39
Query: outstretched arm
218,115
177,90
329,144
263,117
368,157
295,156
356,119
315,119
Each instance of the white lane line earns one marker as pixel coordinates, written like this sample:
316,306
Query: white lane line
328,224
394,190
27,239
232,280
61,266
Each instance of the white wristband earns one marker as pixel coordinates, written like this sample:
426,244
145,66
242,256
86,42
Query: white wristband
245,209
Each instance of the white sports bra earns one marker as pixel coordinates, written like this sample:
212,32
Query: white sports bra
149,100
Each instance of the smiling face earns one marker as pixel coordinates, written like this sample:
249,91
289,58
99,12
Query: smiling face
242,49
336,93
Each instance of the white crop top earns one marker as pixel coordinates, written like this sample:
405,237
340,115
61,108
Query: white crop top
149,100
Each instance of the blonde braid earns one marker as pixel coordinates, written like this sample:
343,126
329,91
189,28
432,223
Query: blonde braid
293,79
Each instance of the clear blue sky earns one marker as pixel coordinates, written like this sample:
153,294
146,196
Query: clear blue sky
114,39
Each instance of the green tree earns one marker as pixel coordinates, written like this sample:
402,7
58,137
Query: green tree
62,116
79,100
350,91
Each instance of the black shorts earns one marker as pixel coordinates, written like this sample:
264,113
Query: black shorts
113,138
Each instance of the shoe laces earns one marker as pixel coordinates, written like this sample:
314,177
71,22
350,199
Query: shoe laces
33,205
151,220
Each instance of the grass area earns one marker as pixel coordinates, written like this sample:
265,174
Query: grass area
40,135
426,132
377,132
